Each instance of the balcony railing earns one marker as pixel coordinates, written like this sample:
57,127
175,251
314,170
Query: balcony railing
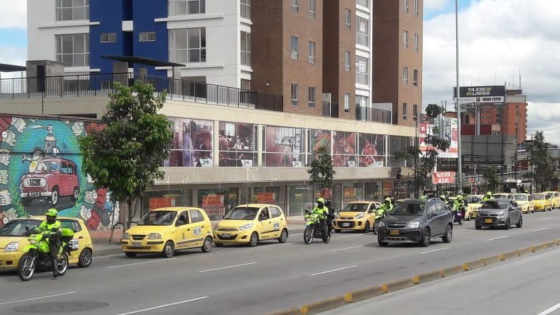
373,115
104,84
330,110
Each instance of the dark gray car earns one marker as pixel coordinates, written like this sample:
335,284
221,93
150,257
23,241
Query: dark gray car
416,221
499,213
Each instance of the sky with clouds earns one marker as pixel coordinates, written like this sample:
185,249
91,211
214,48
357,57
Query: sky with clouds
498,39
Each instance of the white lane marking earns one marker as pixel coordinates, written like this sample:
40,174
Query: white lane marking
165,305
228,267
339,249
497,238
353,235
540,230
141,263
543,219
38,298
433,251
269,246
550,310
334,270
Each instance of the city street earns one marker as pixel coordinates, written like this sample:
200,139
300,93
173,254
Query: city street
272,277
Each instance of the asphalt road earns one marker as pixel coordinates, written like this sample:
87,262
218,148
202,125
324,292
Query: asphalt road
527,286
270,277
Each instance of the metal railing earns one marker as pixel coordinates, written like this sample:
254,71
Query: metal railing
373,115
104,84
330,110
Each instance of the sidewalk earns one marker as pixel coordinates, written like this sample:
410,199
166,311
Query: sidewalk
102,247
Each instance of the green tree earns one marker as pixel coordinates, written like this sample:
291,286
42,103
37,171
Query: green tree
321,173
492,179
424,163
125,157
541,159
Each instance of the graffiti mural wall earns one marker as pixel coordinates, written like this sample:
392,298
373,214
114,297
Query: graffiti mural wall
41,168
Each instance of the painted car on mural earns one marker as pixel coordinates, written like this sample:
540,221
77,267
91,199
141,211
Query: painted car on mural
53,178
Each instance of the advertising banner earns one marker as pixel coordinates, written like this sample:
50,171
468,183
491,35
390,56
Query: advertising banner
344,149
192,143
350,194
266,197
237,144
283,147
372,150
482,94
443,178
214,205
156,203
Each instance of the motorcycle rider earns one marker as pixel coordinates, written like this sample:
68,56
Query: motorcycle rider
487,197
457,204
321,211
330,215
52,227
443,198
386,207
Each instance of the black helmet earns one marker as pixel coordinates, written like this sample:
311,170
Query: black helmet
328,203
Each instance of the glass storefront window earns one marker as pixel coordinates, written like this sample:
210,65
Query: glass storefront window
373,191
300,199
351,192
238,144
167,198
372,150
192,143
318,138
283,147
344,149
270,195
218,202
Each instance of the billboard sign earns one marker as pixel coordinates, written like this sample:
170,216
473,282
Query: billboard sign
482,94
444,178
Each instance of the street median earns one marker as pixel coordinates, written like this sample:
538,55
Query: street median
359,295
427,277
397,285
474,265
322,306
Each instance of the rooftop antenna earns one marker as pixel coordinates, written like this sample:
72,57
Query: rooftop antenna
520,78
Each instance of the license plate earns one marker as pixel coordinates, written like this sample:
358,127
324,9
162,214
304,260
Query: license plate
34,194
136,244
345,224
487,220
226,235
395,232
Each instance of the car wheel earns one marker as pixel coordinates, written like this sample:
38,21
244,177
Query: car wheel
254,241
425,242
26,201
337,231
367,227
478,227
85,258
207,245
75,194
508,224
448,234
381,242
283,237
520,223
54,196
130,255
168,250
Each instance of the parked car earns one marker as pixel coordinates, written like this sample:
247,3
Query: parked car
53,179
542,202
499,213
473,204
526,202
416,221
356,216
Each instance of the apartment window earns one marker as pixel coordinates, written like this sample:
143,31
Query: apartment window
295,6
295,48
405,75
347,19
148,36
72,10
416,41
405,39
187,45
312,8
415,112
109,38
405,5
347,61
404,111
246,9
246,85
246,48
416,7
311,97
363,3
73,50
362,33
184,7
311,57
347,102
362,70
415,77
295,94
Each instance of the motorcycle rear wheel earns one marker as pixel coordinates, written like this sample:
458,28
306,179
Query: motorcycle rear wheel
308,234
62,265
375,227
26,267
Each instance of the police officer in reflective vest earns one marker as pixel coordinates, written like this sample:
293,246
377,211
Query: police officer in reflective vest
52,227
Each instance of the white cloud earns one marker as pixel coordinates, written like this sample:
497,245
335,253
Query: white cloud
432,5
498,38
13,14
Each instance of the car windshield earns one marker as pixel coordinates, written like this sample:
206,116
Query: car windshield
538,197
158,218
409,208
548,195
242,213
17,227
54,166
498,196
495,204
356,207
520,197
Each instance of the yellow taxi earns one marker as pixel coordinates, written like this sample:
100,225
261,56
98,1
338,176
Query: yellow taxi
249,224
542,202
356,216
14,238
525,201
474,202
166,230
555,197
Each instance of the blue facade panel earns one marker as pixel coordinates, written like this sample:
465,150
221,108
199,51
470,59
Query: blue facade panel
144,13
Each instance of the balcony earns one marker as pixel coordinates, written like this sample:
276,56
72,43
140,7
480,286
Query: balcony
373,115
104,84
330,110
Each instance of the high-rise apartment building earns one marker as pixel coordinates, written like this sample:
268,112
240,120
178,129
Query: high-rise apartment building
397,55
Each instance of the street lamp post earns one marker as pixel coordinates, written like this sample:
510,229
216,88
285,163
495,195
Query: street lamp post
460,162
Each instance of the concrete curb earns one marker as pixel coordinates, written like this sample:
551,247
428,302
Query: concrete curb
106,252
321,306
372,292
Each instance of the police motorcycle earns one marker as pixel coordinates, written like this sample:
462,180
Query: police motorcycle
459,212
315,228
37,254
